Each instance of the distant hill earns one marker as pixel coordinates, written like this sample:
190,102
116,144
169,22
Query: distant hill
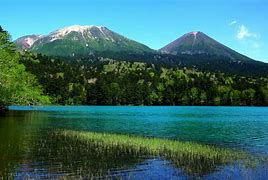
80,40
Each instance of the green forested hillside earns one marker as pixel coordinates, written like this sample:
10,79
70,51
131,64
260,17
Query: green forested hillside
102,81
16,85
204,62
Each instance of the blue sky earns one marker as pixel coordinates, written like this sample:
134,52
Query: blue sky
239,24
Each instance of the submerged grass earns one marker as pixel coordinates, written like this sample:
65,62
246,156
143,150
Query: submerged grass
194,158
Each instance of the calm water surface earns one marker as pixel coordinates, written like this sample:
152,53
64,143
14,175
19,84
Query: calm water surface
28,150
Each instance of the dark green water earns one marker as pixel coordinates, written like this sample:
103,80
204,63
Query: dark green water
30,150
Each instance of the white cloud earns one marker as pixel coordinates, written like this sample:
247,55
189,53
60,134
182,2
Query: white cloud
245,33
232,23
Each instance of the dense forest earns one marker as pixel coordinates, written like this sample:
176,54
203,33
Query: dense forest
29,78
103,81
204,62
17,86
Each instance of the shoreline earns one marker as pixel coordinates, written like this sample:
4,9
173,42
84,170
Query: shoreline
69,107
134,105
3,109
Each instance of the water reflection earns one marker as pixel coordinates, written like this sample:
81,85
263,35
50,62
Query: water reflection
18,130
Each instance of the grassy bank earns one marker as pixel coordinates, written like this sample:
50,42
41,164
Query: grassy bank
192,157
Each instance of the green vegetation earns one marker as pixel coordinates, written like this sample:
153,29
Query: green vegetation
16,85
192,157
79,159
96,80
102,81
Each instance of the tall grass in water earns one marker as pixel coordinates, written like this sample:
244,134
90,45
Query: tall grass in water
192,157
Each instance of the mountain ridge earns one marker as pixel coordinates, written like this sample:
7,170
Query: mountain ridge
81,40
85,40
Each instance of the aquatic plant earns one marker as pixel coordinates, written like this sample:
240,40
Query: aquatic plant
74,159
192,157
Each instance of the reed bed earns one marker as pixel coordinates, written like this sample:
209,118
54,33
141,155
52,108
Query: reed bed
194,158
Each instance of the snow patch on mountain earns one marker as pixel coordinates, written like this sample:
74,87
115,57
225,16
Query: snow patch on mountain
67,30
60,33
27,41
30,41
194,33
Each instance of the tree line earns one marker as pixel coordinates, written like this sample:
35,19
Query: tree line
103,81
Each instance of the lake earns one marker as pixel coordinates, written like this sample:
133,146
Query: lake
29,149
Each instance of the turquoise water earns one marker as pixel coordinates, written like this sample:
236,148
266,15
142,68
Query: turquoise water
27,150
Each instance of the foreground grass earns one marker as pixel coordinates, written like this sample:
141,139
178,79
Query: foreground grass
192,157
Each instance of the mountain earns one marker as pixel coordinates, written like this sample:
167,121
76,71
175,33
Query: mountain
80,40
198,50
193,50
195,43
26,42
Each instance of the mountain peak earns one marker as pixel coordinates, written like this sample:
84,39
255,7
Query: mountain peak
197,42
76,28
60,33
193,33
